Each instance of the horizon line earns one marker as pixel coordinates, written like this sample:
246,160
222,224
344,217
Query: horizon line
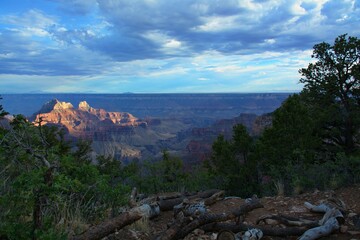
124,93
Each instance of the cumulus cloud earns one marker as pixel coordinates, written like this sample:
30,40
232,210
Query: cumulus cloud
225,26
158,38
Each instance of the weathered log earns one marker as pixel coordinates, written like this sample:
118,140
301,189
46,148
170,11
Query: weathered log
329,211
168,204
170,233
267,230
108,227
189,209
332,213
205,194
253,234
225,235
289,221
330,226
183,230
322,208
132,201
214,198
329,223
169,195
336,202
147,210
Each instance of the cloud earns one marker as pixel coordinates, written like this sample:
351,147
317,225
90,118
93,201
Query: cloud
32,18
158,40
76,7
225,26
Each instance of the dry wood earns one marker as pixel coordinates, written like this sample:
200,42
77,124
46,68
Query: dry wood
214,198
329,223
330,226
289,221
170,195
225,235
322,208
205,194
267,230
108,227
168,204
132,201
147,210
180,230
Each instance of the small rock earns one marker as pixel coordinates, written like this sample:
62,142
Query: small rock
298,209
199,232
271,222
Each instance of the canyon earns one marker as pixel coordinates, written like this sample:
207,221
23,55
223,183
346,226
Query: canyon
185,125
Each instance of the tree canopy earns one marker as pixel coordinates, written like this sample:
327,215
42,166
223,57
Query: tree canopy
332,86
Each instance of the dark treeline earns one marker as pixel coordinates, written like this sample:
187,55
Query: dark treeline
51,188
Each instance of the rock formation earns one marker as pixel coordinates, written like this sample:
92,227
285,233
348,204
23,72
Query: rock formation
86,121
123,136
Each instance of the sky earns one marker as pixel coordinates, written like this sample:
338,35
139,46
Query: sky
165,46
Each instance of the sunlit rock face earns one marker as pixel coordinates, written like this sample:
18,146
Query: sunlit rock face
125,137
85,121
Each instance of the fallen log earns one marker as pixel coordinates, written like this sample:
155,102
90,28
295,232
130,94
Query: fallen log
330,226
147,210
168,204
289,221
267,230
105,228
214,198
330,222
180,230
205,194
209,197
124,219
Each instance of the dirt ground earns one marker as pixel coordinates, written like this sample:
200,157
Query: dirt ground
289,206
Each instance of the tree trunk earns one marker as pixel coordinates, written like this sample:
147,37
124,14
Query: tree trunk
110,226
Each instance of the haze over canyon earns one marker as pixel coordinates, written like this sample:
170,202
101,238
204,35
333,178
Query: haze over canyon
141,126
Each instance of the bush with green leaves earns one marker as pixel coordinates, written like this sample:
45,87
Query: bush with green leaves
51,189
231,164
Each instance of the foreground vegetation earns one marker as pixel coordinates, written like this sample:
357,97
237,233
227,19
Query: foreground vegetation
52,188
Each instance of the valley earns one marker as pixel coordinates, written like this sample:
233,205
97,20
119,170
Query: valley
141,126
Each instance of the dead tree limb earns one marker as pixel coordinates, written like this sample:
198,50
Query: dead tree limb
267,230
214,198
330,222
289,221
132,201
168,204
180,230
108,227
147,210
330,226
209,197
205,194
